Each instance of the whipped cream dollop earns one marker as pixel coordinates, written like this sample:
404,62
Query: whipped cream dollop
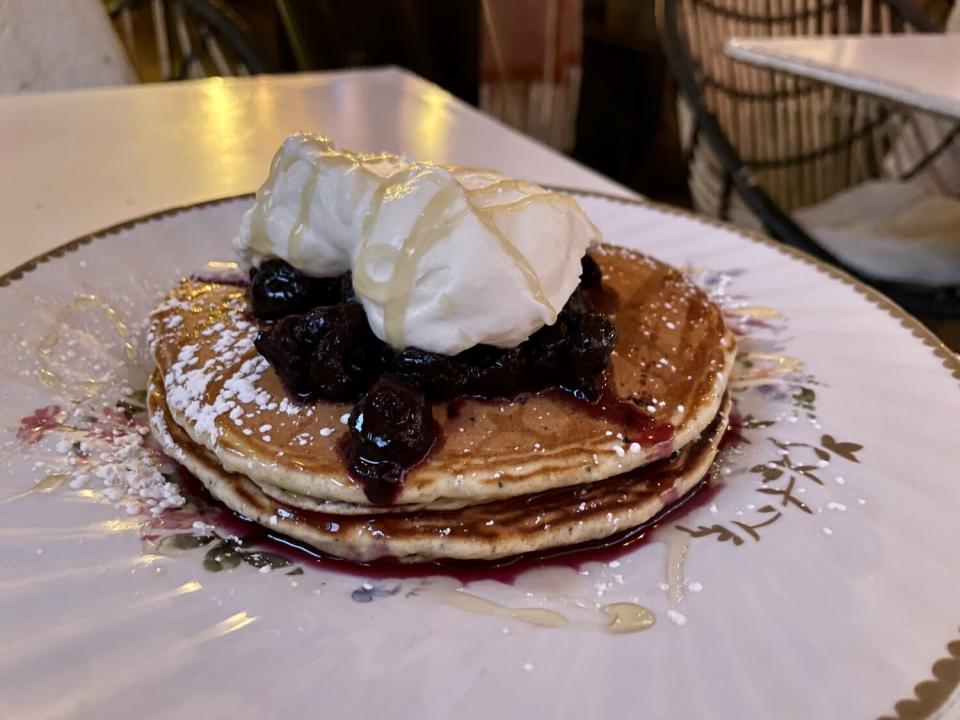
443,258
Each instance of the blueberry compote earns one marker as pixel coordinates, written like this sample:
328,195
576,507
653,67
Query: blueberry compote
391,429
277,289
315,335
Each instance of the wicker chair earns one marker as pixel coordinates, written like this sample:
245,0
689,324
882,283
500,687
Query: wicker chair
762,144
190,39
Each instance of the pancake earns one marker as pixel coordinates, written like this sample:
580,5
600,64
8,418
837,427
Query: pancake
532,523
672,361
332,507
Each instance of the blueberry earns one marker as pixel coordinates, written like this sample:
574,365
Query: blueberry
278,289
491,372
347,355
592,345
287,346
579,303
437,375
343,289
546,353
590,273
391,429
329,352
588,388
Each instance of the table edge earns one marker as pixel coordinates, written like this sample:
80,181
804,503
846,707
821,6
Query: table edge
858,83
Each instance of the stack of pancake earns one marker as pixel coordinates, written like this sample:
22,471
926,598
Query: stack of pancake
506,477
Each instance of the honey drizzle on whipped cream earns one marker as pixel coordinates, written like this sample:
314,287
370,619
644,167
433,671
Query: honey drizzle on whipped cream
394,293
303,217
428,229
521,262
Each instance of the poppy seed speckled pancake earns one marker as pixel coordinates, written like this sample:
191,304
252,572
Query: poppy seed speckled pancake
669,369
554,518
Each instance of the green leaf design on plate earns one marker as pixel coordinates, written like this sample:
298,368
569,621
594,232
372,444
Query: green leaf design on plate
723,534
805,397
786,496
46,484
769,473
261,558
222,556
129,410
750,422
227,554
133,403
846,450
185,542
49,483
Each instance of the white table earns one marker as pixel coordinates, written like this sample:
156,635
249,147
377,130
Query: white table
75,162
921,71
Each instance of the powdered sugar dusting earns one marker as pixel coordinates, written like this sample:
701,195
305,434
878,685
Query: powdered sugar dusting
187,385
112,453
677,617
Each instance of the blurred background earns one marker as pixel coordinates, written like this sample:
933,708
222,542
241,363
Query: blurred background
639,90
585,76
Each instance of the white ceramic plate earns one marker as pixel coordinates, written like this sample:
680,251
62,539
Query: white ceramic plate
820,578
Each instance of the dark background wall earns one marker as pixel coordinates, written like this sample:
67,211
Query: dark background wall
626,123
